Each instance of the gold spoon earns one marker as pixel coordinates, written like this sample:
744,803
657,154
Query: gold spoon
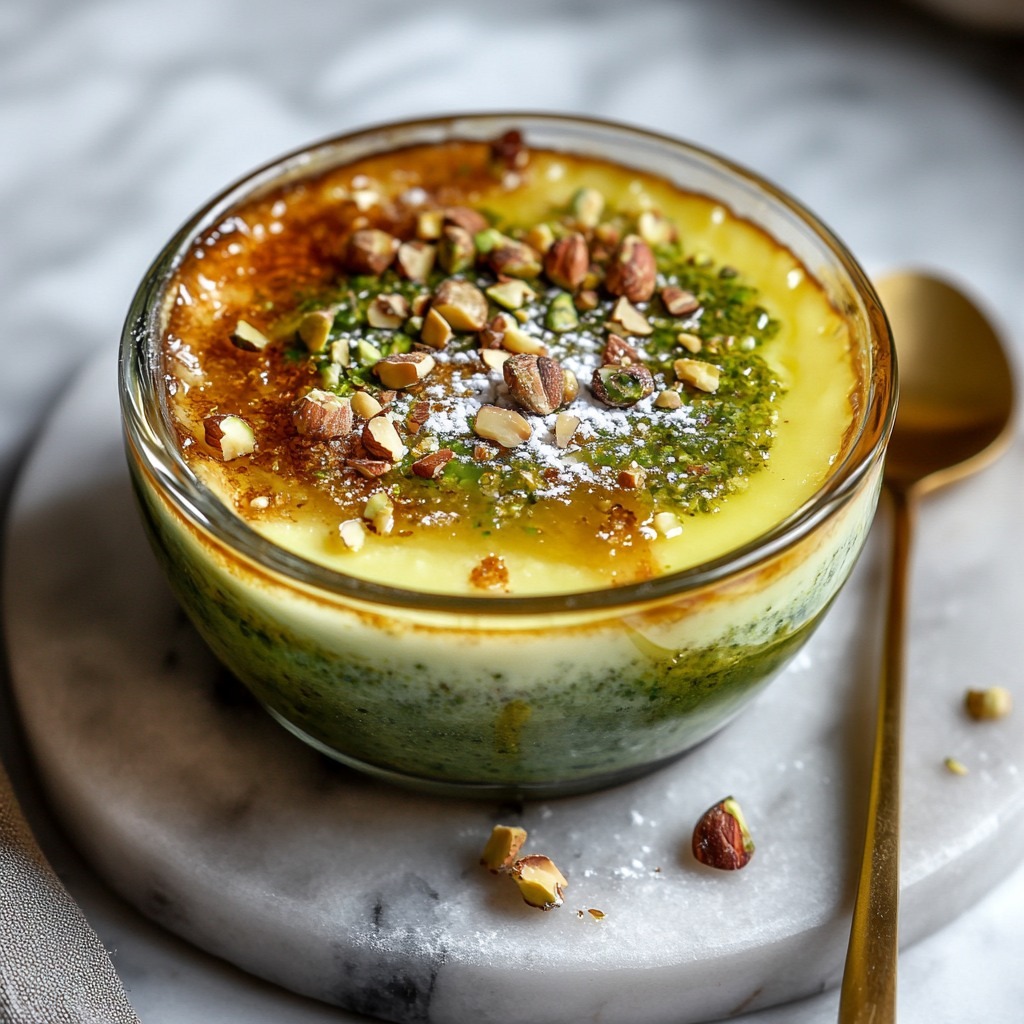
954,417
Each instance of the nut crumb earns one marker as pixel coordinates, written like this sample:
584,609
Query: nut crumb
490,573
502,848
697,373
994,702
229,436
540,883
248,338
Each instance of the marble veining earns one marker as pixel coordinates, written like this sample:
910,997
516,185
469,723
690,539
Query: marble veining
223,828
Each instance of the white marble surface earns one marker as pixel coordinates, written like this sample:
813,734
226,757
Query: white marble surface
119,118
217,824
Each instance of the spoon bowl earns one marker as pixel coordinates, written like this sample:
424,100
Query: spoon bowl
956,387
955,416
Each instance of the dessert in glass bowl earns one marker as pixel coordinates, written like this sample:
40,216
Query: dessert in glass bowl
505,454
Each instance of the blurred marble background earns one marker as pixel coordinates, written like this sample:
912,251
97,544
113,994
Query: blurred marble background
903,130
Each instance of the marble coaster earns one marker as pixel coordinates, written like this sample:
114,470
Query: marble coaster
219,825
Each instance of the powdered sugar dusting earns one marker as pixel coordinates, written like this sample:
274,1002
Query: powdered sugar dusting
459,394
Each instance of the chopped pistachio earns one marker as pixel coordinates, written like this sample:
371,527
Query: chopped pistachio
566,426
247,337
455,249
352,534
622,386
416,260
330,375
436,331
488,239
461,303
541,237
381,439
322,414
502,847
587,205
314,329
626,316
365,405
701,375
367,354
540,883
511,294
388,312
517,340
632,477
494,358
561,315
667,524
655,229
505,426
429,224
994,702
341,352
403,370
380,511
513,258
229,436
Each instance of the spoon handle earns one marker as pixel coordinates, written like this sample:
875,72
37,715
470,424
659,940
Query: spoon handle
869,979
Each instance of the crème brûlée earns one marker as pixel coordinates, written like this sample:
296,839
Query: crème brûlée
482,368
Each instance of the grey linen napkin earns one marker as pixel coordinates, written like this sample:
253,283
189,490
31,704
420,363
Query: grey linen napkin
53,967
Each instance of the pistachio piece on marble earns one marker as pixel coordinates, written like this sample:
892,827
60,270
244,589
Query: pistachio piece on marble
540,883
721,838
993,702
502,848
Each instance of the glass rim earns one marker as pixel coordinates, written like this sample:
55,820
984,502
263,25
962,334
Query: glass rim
148,431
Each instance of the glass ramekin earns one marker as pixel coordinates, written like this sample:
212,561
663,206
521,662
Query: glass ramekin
510,696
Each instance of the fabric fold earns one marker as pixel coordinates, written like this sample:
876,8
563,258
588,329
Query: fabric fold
53,967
